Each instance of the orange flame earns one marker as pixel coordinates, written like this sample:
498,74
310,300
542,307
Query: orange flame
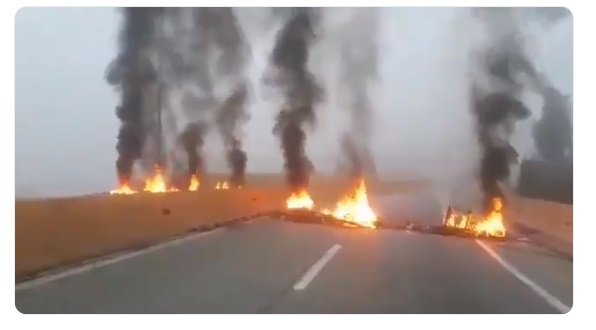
460,221
222,185
157,183
300,200
194,183
491,225
123,189
355,208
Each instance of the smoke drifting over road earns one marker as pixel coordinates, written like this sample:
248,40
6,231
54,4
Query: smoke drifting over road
301,92
132,73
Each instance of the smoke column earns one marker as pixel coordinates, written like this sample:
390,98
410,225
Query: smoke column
228,37
191,69
290,57
214,65
497,110
359,67
131,72
495,113
193,139
229,116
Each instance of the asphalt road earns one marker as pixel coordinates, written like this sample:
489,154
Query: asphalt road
270,266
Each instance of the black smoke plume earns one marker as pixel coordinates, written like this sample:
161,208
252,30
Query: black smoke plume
227,35
193,140
498,110
189,66
495,113
217,29
131,72
229,116
290,57
193,136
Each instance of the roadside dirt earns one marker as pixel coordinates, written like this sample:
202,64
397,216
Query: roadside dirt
52,233
56,232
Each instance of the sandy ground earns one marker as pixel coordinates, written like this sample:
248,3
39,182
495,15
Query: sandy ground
56,232
545,222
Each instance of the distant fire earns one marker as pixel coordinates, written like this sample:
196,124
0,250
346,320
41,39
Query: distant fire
157,183
123,189
300,200
222,185
490,225
355,208
194,183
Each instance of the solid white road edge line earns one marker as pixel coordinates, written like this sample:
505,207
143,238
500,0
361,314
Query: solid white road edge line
316,268
550,299
110,260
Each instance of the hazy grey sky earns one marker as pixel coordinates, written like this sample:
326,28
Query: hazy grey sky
66,126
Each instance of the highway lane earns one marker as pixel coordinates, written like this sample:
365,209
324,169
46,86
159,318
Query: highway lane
413,273
233,270
255,268
547,269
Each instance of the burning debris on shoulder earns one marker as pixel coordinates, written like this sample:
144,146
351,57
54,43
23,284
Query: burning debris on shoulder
353,209
468,223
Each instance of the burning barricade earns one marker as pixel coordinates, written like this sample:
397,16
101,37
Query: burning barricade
351,211
488,225
354,211
355,208
300,201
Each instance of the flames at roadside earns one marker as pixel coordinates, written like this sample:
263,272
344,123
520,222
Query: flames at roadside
300,200
153,184
194,183
355,208
490,225
123,189
157,183
222,185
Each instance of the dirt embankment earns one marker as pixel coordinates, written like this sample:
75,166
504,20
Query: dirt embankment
547,223
57,232
62,231
544,208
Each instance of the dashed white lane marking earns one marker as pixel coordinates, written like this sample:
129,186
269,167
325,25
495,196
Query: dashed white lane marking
550,299
109,261
316,268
